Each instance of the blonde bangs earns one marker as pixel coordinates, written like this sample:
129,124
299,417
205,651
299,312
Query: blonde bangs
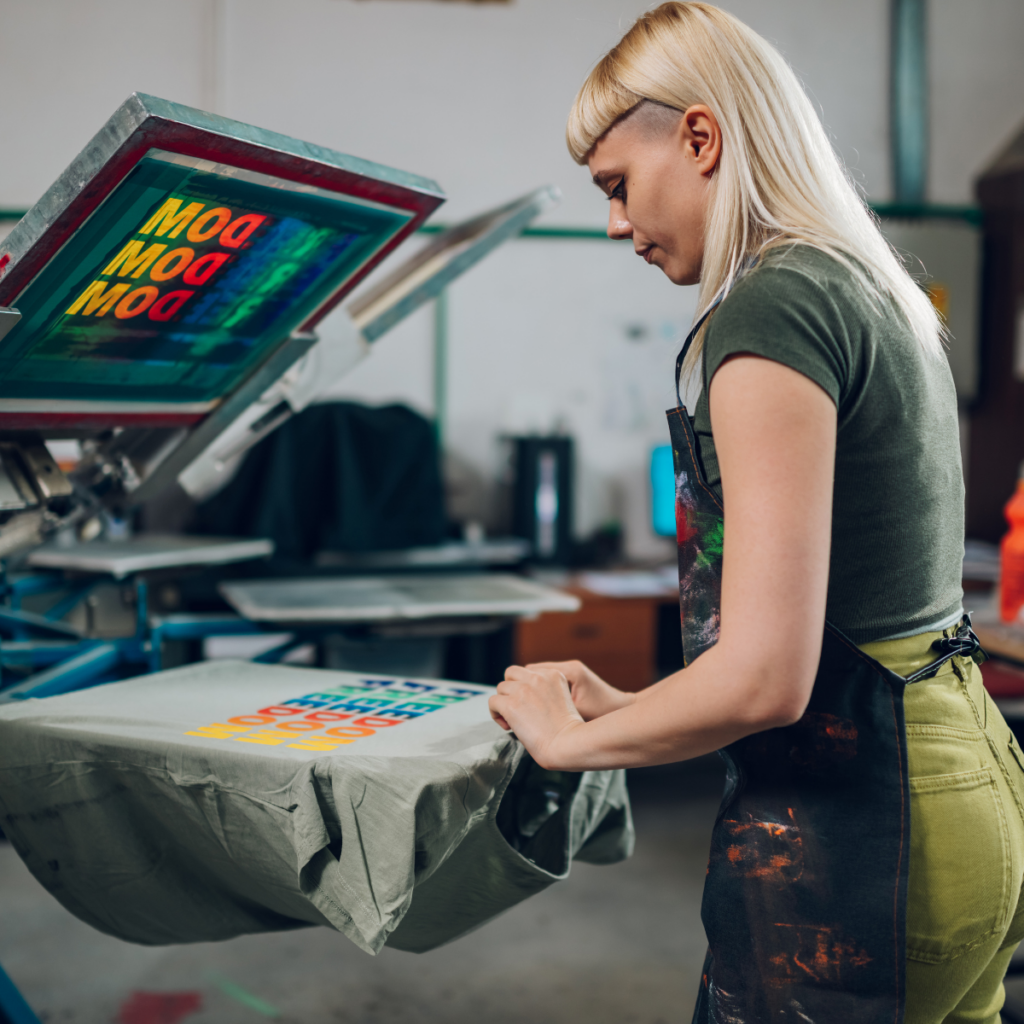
599,104
778,179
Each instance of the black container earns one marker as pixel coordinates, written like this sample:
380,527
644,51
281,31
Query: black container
542,505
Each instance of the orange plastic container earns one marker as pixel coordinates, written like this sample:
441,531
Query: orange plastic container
1011,557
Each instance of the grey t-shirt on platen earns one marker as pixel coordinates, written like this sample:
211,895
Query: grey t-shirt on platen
225,798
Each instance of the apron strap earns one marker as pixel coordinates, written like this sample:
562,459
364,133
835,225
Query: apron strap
689,341
749,265
964,643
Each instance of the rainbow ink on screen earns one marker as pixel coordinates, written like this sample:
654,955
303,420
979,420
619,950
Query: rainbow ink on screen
179,265
182,279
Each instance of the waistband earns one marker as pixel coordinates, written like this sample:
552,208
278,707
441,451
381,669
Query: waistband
931,627
912,656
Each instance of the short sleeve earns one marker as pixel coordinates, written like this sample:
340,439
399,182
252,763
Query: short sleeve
784,314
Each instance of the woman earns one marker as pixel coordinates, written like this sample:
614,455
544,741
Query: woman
867,859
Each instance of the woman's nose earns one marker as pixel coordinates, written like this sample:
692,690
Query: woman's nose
618,222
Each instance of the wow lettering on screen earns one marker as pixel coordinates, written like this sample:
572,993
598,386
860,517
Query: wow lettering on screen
146,277
328,719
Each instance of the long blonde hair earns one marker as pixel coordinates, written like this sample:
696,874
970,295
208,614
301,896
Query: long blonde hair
778,180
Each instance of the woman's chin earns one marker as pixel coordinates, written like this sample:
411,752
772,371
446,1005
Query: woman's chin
679,275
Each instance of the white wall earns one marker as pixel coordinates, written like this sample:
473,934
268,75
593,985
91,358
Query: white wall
976,53
475,96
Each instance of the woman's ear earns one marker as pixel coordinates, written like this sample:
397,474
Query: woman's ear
702,137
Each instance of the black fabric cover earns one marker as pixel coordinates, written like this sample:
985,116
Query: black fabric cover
337,477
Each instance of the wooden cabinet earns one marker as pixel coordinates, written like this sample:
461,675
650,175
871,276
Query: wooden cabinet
615,636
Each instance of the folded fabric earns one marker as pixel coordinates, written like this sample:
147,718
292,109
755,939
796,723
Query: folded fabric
228,797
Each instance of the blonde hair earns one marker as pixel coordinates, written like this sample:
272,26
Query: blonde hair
778,180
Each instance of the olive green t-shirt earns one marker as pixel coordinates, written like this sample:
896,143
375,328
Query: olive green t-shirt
898,498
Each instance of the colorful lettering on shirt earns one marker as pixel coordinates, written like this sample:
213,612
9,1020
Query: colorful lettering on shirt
324,720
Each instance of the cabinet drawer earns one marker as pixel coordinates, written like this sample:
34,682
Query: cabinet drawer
616,638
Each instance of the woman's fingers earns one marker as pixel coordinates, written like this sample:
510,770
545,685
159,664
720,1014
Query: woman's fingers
497,716
569,669
521,687
550,673
537,707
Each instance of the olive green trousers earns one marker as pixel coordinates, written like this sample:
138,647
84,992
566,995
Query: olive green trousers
965,915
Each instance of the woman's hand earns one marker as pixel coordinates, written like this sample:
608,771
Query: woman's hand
592,696
536,704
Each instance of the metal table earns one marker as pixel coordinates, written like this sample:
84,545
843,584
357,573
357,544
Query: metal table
146,553
60,658
362,599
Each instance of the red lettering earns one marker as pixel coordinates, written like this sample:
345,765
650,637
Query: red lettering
346,730
327,716
171,264
240,230
251,720
376,722
277,709
136,302
167,305
205,267
300,726
198,232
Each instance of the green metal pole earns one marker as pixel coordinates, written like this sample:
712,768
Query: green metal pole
908,123
441,366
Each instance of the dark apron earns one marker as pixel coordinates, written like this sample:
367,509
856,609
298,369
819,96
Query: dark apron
805,899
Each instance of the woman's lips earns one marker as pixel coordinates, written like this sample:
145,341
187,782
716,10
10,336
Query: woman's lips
647,253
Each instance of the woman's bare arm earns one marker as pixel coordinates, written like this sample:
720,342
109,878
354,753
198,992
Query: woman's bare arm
775,435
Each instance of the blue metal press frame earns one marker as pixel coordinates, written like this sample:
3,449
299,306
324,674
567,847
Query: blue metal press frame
13,1008
59,659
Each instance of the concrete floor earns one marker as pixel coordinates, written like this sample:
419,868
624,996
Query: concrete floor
611,945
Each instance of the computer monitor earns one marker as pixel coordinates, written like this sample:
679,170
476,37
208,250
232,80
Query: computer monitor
663,491
192,248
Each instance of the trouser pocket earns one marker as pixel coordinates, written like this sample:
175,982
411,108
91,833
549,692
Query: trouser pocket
960,863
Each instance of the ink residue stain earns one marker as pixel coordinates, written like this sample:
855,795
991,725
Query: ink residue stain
814,954
159,1007
823,740
766,850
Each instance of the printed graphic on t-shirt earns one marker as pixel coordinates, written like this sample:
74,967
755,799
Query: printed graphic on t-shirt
327,719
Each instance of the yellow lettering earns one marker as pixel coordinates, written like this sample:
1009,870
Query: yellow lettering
171,218
217,731
318,744
132,258
94,298
270,739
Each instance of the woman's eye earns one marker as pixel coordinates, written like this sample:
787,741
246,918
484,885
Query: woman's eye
619,192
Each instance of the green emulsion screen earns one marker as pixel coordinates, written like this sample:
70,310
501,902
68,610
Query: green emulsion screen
182,281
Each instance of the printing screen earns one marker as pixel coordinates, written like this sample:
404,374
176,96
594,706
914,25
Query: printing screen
182,281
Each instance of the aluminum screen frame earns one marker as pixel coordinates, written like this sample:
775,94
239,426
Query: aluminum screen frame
144,124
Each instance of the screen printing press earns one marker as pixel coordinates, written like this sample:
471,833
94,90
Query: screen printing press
158,304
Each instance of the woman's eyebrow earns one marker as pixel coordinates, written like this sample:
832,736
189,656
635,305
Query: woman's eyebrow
603,178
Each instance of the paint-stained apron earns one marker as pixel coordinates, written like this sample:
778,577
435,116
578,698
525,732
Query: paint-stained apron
805,899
